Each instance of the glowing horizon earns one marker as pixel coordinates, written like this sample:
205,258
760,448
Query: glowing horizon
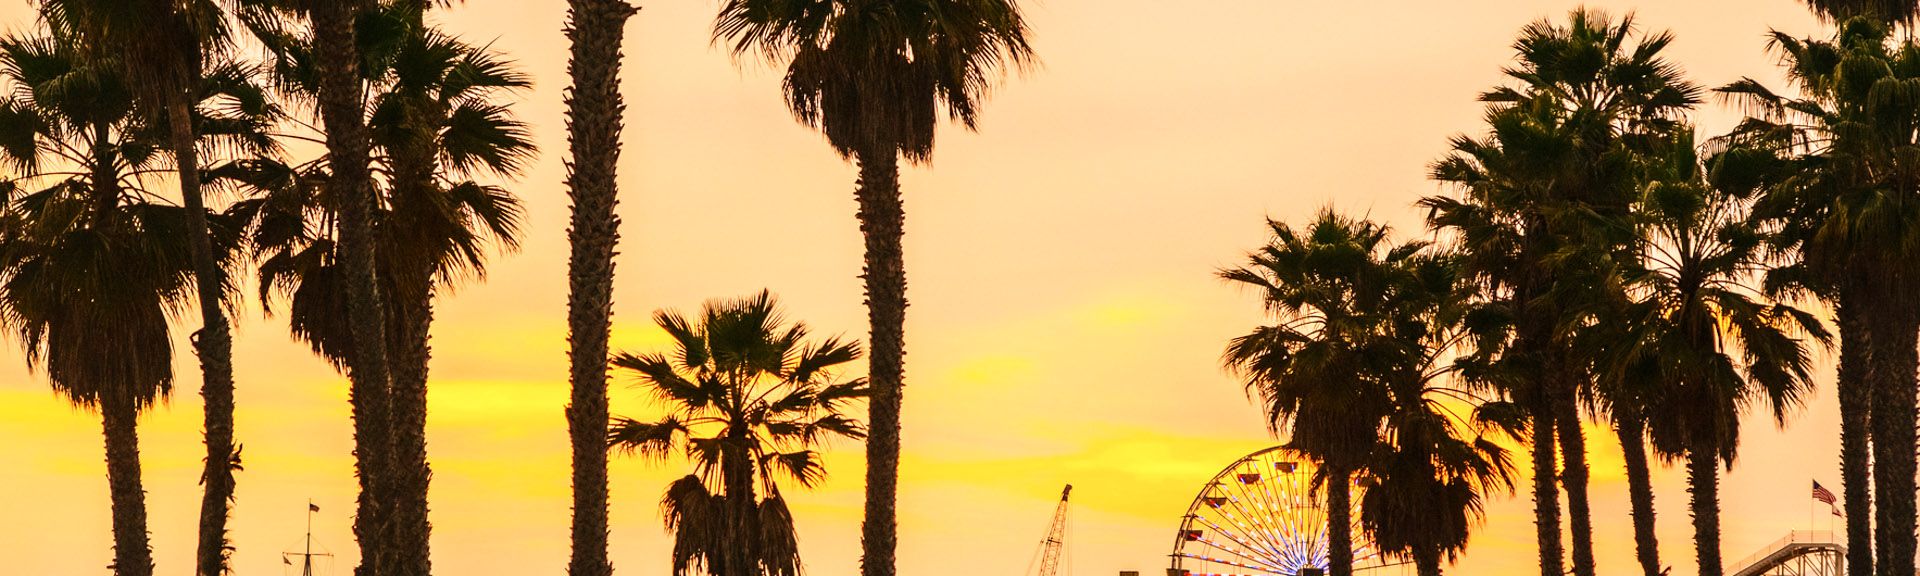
1065,328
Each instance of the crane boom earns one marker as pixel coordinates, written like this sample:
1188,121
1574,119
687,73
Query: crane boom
1056,540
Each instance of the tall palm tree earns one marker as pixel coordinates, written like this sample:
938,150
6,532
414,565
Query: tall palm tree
339,87
1432,468
1330,286
874,75
1841,197
594,108
1557,174
162,47
1713,342
437,121
93,264
748,398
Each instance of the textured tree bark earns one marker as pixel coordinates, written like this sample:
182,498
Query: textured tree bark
1703,481
1546,491
1426,562
131,554
742,534
1339,523
1573,449
1855,403
1646,547
882,223
213,344
1891,373
341,109
408,528
594,109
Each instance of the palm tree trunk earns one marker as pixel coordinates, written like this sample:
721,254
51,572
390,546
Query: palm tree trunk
1339,522
1891,372
1426,562
594,110
131,554
742,534
1546,492
1573,449
408,529
341,108
213,344
1703,482
883,222
1632,430
1855,401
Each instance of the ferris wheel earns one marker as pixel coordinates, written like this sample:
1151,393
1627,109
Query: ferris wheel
1261,516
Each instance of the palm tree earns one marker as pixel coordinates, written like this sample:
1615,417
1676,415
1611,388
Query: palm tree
1429,477
748,399
1556,174
873,75
339,88
1839,196
1696,327
92,263
436,122
1330,286
594,108
162,47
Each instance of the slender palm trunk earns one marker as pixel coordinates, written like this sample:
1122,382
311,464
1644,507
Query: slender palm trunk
594,110
1573,449
408,529
1855,398
213,344
882,222
742,533
1339,522
1426,562
1546,491
341,108
1633,445
131,554
409,263
1703,481
1891,369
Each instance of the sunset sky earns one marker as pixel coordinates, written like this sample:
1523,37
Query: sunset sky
1065,326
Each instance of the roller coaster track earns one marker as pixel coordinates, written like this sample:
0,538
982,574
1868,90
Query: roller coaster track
1801,553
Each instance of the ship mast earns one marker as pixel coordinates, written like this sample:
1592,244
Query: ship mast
306,555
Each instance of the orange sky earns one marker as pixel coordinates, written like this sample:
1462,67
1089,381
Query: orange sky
1065,323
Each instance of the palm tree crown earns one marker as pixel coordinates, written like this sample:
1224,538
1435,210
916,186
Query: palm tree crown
748,398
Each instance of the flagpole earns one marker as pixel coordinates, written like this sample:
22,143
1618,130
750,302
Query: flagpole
306,559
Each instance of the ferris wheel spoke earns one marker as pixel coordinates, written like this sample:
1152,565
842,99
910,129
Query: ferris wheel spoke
1255,518
1285,518
1247,547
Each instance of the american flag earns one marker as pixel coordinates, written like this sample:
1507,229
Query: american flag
1822,494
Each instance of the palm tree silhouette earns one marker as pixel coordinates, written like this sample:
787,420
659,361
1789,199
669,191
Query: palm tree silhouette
437,121
874,76
1544,194
1698,329
92,262
594,108
1432,468
1330,285
162,47
1837,196
748,398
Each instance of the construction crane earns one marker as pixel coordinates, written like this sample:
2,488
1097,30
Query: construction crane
1055,543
